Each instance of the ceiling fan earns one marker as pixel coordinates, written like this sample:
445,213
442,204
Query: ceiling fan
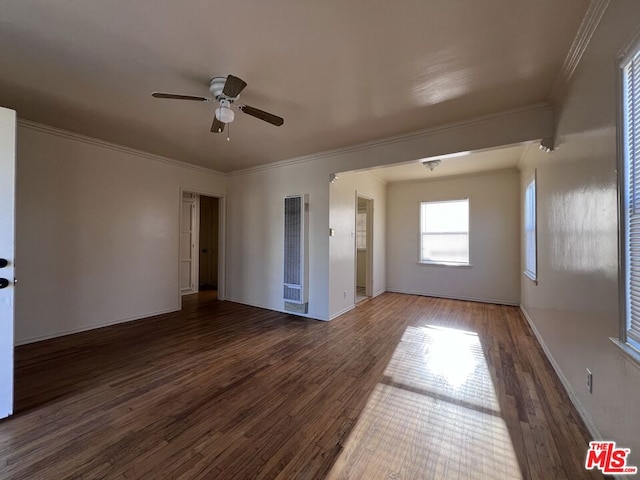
225,91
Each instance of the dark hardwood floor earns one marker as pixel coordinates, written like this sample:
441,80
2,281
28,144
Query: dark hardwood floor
403,387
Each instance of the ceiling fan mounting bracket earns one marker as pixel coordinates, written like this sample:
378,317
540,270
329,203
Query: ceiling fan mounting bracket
216,85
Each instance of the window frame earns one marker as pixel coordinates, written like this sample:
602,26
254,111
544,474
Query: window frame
532,275
630,348
421,261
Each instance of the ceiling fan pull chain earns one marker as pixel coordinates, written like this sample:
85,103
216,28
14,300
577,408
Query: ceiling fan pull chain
228,132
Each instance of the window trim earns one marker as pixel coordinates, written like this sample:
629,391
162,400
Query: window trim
440,263
631,351
533,276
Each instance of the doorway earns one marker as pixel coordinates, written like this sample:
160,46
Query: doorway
208,239
364,248
201,243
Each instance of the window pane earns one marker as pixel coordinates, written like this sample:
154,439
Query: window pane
452,247
445,216
631,131
530,247
445,231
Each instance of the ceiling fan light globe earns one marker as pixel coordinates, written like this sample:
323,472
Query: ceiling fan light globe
225,114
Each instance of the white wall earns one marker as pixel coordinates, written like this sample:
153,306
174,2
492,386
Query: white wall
255,203
494,238
342,218
255,235
574,307
96,232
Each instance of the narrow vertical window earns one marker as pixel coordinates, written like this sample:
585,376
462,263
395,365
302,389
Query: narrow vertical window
444,232
630,332
530,237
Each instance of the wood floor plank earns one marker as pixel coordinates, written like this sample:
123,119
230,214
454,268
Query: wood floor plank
403,387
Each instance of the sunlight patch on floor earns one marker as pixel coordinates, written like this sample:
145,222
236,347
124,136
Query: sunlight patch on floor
434,415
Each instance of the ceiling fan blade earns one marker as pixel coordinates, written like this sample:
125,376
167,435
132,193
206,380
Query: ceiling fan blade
262,115
174,96
233,86
217,126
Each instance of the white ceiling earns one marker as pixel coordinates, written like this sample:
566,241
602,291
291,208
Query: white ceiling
340,73
458,164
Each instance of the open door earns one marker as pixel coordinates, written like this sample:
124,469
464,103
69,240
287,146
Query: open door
7,252
364,248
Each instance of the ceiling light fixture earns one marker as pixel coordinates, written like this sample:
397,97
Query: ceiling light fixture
547,144
431,164
224,112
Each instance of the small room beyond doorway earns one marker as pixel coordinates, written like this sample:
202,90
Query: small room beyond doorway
364,239
208,251
200,237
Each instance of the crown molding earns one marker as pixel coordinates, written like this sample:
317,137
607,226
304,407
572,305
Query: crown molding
39,127
375,177
425,133
457,176
590,22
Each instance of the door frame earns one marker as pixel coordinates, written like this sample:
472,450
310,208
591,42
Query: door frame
195,210
368,288
221,237
8,157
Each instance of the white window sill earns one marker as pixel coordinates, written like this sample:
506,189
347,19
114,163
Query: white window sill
631,353
446,264
531,277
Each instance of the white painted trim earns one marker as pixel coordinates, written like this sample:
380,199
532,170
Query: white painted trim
112,146
222,247
590,22
630,354
497,171
379,292
342,312
194,240
281,310
586,418
391,140
451,297
221,237
369,247
70,331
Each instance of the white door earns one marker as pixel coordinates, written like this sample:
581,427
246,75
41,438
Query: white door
187,244
7,250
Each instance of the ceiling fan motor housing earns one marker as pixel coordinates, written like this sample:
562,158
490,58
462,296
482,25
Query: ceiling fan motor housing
216,85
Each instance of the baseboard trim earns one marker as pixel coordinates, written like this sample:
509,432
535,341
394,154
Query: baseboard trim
281,310
451,297
379,292
586,418
342,312
71,331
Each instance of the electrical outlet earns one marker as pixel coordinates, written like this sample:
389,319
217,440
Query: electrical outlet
589,381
